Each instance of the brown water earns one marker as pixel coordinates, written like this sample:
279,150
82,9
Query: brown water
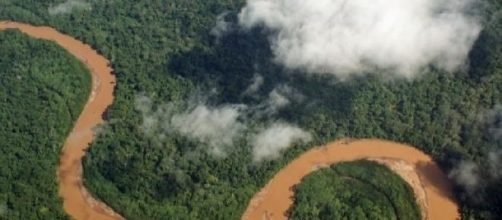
277,196
77,201
408,172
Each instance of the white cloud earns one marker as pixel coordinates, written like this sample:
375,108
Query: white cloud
217,127
221,27
474,178
280,97
466,175
277,100
345,37
269,143
495,162
151,118
493,120
255,85
68,6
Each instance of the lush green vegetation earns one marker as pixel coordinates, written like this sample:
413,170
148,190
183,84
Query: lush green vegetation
42,91
163,49
354,190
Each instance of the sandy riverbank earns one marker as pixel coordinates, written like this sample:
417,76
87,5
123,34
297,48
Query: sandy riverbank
277,196
430,185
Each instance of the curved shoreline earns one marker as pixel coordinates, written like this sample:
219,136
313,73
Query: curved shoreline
409,174
78,203
275,198
273,201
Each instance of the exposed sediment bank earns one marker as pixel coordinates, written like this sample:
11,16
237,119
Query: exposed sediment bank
273,201
430,184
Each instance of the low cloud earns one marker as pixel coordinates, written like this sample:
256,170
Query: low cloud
477,176
277,100
344,38
474,177
466,175
495,162
255,85
269,143
281,96
68,6
492,123
222,27
218,127
492,120
151,117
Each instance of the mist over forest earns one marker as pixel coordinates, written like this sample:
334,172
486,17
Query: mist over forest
214,97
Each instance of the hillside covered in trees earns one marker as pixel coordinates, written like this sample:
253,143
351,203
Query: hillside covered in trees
167,60
42,91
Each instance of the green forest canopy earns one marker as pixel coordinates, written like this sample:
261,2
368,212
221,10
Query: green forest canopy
163,49
42,91
354,190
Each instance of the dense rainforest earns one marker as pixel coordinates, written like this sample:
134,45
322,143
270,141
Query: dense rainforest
164,50
42,92
354,190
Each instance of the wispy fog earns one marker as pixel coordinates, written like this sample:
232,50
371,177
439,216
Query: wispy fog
68,6
219,127
268,143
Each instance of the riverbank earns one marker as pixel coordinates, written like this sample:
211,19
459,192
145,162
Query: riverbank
78,203
273,201
275,198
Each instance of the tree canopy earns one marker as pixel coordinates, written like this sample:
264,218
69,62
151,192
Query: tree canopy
164,50
42,91
354,190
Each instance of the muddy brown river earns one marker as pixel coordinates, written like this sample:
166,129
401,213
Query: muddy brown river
431,186
78,203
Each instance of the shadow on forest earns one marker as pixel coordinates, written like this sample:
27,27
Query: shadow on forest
231,63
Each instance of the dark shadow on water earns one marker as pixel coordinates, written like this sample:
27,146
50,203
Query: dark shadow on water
432,176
